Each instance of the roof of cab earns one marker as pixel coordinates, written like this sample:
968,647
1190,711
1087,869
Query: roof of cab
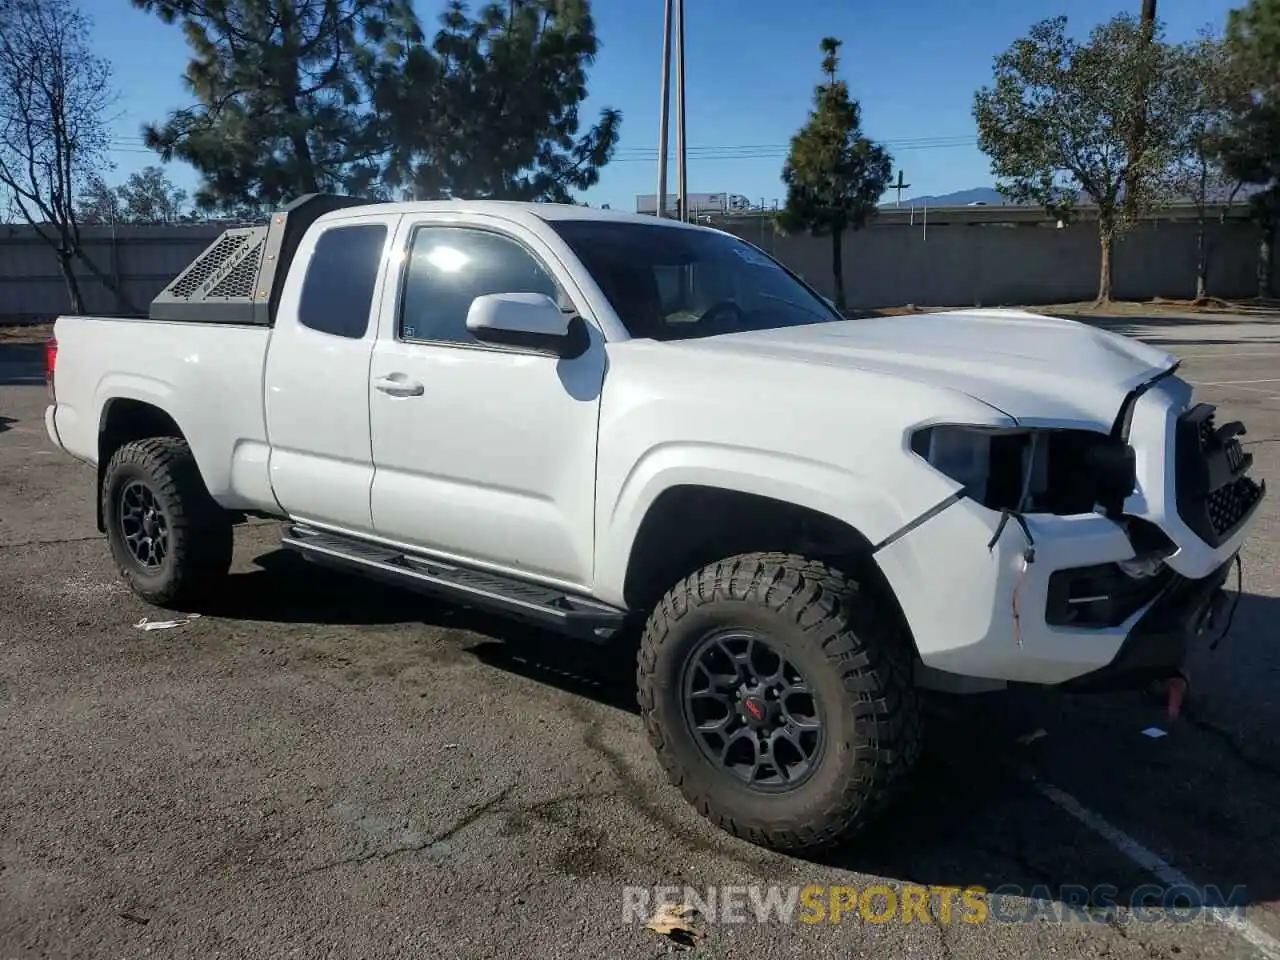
507,209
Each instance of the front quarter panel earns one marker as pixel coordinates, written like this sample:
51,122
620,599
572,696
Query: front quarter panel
831,440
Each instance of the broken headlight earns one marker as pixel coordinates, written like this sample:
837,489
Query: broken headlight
1056,471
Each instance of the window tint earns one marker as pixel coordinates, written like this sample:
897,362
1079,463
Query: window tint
449,267
337,292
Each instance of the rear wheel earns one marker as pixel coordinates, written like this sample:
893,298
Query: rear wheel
779,699
168,537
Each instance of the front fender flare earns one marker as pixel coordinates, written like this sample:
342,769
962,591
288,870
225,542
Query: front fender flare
822,487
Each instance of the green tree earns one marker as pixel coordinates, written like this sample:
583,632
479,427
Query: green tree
491,107
834,175
98,203
282,96
1208,89
54,97
1250,147
147,196
1058,123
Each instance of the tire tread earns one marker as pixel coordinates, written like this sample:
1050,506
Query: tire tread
200,532
872,657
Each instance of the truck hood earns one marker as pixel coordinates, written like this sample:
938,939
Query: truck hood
1032,368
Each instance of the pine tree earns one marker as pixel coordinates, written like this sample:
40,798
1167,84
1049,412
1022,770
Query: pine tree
491,106
835,176
282,94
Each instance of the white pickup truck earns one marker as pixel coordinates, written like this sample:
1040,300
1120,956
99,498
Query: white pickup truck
596,421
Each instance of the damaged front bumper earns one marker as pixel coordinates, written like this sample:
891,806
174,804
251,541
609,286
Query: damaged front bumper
1058,600
1157,646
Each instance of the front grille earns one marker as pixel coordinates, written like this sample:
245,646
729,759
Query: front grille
1215,495
1231,504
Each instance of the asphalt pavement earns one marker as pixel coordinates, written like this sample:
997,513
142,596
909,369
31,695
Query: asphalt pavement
320,767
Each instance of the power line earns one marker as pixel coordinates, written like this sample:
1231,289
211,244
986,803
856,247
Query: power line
893,141
709,152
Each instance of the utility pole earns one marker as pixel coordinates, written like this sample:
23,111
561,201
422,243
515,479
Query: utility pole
899,186
1138,132
666,108
681,144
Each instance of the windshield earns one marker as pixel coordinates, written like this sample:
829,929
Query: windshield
670,283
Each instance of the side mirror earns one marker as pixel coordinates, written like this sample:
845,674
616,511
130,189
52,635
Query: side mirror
529,320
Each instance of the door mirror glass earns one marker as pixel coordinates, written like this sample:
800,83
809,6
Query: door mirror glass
531,320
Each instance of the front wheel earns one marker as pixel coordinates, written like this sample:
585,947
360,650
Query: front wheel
779,699
168,537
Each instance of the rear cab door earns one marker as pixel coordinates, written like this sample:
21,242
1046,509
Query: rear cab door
317,371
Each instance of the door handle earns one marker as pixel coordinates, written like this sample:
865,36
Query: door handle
398,385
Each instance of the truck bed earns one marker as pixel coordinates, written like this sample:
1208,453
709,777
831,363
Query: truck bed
208,377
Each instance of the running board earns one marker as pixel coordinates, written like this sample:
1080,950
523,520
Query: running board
545,606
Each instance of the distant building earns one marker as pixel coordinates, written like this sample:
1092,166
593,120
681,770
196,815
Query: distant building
698,203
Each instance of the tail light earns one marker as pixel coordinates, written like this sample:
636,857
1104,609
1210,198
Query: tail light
50,362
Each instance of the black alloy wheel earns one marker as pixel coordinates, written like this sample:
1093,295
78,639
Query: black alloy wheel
144,528
751,711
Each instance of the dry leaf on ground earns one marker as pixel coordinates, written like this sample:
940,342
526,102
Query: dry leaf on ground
673,920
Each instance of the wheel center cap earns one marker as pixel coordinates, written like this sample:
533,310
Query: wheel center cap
756,710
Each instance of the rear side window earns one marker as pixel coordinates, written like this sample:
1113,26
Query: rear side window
337,292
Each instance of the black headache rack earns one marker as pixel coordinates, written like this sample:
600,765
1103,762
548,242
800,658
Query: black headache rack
238,277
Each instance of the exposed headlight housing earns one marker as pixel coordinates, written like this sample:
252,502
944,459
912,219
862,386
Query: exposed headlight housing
1032,470
961,453
1141,567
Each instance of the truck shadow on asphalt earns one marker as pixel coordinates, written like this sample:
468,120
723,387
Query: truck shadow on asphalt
976,813
284,588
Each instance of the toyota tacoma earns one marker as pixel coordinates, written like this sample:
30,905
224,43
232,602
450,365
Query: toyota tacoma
616,426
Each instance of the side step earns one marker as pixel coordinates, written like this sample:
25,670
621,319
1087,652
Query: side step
545,606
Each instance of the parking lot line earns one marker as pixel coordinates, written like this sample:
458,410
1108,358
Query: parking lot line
1269,393
1251,354
1165,872
1232,383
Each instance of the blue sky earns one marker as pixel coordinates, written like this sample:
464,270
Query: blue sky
750,65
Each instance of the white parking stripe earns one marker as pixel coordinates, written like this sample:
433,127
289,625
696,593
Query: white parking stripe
1268,392
1222,356
1232,383
1167,874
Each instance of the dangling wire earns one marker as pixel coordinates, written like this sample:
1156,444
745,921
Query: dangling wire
1028,554
1028,558
1231,614
1017,618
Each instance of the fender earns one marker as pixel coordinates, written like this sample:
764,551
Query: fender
827,489
233,466
154,392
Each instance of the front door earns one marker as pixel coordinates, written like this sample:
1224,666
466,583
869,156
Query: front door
482,453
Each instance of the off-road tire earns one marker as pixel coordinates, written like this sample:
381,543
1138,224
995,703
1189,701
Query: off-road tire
201,534
857,659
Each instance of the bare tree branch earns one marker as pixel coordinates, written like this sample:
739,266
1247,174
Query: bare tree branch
54,95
